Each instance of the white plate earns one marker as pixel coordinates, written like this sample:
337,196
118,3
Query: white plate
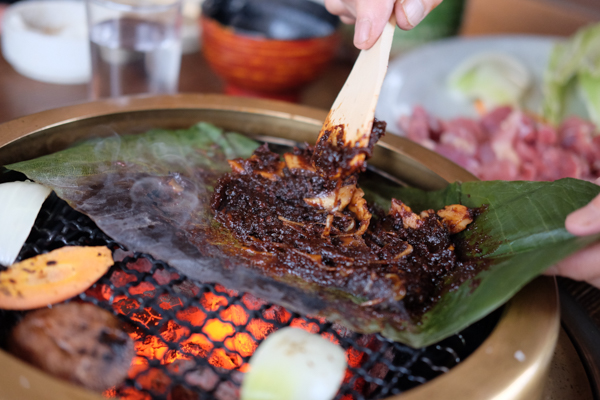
419,77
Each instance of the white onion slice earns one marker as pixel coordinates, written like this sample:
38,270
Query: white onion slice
20,203
292,364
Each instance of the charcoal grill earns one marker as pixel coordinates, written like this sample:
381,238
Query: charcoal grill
194,339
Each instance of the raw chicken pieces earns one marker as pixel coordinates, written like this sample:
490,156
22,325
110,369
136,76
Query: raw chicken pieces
508,144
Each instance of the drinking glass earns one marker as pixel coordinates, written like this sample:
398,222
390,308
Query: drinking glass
135,46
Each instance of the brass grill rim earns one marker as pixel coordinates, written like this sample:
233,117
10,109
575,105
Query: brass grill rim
529,324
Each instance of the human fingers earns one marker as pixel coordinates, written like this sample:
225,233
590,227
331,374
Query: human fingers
581,266
586,220
371,17
410,12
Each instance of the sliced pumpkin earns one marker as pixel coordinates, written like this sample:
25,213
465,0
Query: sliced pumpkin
52,277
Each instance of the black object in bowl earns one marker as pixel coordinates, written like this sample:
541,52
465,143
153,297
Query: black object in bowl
273,19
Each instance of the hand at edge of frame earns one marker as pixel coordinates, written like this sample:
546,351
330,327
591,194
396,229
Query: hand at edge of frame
370,16
585,264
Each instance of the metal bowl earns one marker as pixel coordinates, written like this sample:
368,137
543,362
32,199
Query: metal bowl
512,363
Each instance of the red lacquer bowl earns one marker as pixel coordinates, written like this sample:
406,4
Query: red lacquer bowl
264,67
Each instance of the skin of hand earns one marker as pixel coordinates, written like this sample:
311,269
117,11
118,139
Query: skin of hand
585,264
370,16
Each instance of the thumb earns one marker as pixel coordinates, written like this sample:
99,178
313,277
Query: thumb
586,220
371,17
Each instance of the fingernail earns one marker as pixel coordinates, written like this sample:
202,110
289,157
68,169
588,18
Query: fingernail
414,11
362,31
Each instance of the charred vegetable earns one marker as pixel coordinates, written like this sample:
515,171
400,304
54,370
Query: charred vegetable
52,277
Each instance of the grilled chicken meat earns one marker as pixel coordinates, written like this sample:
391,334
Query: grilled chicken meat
294,222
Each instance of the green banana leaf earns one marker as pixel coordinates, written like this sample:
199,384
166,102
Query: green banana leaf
519,235
152,192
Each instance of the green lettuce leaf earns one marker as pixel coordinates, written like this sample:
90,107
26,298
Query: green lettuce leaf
494,78
589,85
574,64
152,193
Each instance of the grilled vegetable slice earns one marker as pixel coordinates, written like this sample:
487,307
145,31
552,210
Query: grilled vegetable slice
292,364
53,277
20,203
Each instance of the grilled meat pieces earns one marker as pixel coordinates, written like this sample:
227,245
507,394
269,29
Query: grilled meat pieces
294,222
78,342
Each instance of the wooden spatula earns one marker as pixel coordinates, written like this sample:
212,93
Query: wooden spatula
351,116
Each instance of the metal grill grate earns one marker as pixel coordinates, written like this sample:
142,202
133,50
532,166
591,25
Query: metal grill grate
194,339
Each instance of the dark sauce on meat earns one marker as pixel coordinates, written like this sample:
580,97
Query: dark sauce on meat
331,159
392,260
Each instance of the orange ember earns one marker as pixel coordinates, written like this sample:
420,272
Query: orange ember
221,333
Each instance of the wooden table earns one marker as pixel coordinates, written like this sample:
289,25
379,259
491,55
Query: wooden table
21,96
539,17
